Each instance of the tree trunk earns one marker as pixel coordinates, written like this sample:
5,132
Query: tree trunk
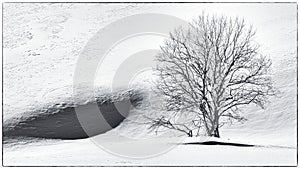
216,132
190,134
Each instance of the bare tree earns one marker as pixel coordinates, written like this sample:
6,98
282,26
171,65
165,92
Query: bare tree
210,70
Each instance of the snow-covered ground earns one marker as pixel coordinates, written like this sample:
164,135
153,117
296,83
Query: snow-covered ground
84,152
42,43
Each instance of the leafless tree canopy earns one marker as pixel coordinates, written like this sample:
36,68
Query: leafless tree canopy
211,69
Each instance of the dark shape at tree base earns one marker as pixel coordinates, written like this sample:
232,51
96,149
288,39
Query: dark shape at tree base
220,143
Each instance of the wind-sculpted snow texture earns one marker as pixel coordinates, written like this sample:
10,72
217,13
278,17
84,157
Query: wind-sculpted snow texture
41,45
60,121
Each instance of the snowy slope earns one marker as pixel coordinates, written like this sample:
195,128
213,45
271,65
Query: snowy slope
42,43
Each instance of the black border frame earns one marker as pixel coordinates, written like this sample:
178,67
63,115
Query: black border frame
163,2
